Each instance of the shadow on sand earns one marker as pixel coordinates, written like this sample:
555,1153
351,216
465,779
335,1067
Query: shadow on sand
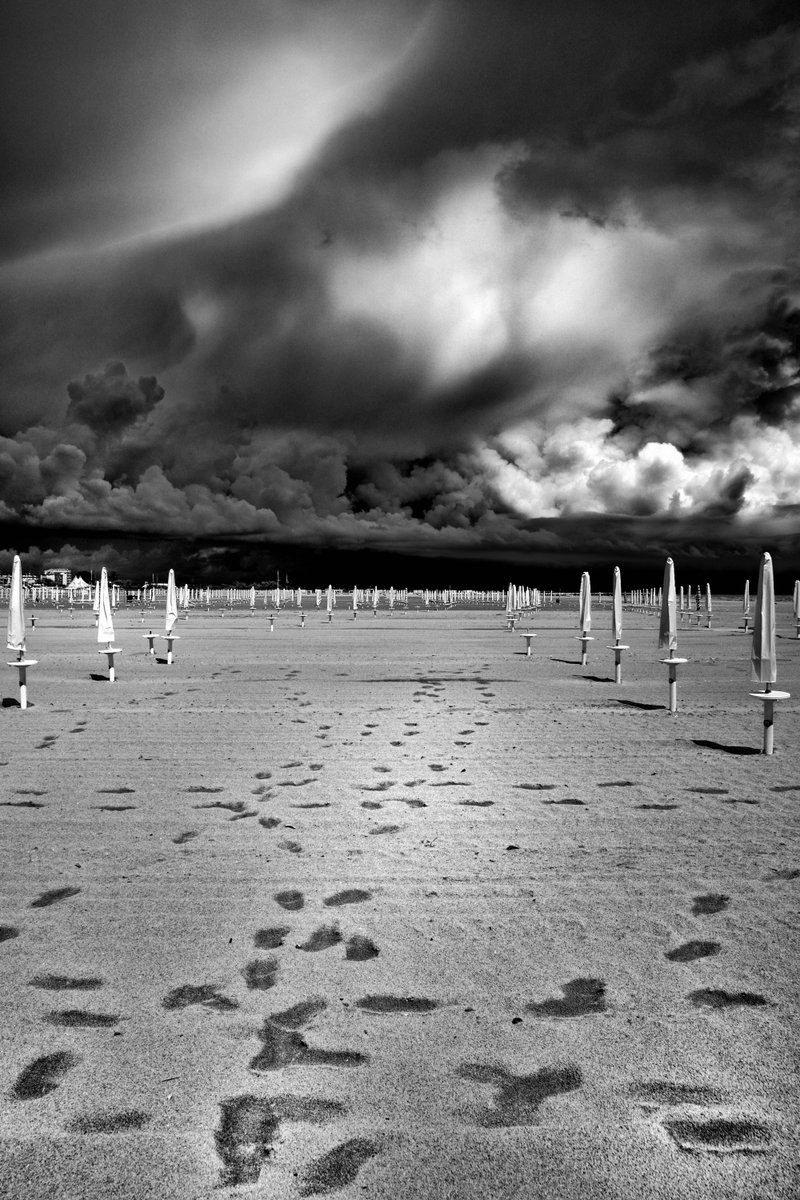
709,745
639,704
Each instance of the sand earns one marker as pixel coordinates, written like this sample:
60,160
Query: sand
386,908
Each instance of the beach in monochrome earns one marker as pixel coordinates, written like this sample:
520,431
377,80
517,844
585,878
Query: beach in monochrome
387,908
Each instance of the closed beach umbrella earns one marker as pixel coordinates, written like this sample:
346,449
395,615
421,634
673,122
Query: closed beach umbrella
616,606
16,610
746,599
585,603
763,658
355,598
172,602
105,624
96,601
252,597
668,627
796,605
329,600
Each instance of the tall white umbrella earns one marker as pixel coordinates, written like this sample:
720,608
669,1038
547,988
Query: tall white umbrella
16,610
616,624
668,631
763,656
585,616
172,602
105,622
796,605
16,630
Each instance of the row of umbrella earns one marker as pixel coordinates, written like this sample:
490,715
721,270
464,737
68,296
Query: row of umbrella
763,654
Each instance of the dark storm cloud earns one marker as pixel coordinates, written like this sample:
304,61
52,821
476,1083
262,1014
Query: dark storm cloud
545,267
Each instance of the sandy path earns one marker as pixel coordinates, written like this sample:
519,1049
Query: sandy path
509,849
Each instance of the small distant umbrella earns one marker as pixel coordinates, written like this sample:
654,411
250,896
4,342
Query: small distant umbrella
709,608
355,599
172,602
796,605
375,597
252,598
330,600
763,656
746,605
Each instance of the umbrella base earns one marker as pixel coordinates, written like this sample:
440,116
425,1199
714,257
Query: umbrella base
769,699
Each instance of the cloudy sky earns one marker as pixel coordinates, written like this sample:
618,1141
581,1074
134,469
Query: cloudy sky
511,283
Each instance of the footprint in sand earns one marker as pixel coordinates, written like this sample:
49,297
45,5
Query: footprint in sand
384,829
397,1004
291,846
719,1135
519,1097
291,900
270,939
567,800
54,896
79,1018
718,998
338,1168
66,983
360,948
348,896
188,836
261,974
43,1075
7,932
299,1014
249,1126
660,1092
21,804
373,804
269,822
285,1047
126,1120
690,951
713,902
582,997
199,789
322,938
207,994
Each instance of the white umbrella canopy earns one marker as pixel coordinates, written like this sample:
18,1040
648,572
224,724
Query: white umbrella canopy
746,599
585,603
616,606
172,602
105,624
96,601
709,609
16,610
329,599
763,657
355,598
668,627
252,597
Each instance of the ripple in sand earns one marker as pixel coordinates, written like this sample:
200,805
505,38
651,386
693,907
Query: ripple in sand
519,1097
207,994
117,791
54,896
43,1075
348,896
322,938
200,789
291,900
261,974
373,804
567,800
249,1126
7,932
534,787
784,873
582,997
476,803
338,1168
719,1135
713,902
397,1004
79,1018
718,998
270,939
123,1121
21,804
690,951
657,807
66,983
384,829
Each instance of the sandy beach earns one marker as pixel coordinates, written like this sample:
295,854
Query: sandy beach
385,908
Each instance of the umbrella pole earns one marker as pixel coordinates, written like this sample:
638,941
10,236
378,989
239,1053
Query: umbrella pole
584,640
